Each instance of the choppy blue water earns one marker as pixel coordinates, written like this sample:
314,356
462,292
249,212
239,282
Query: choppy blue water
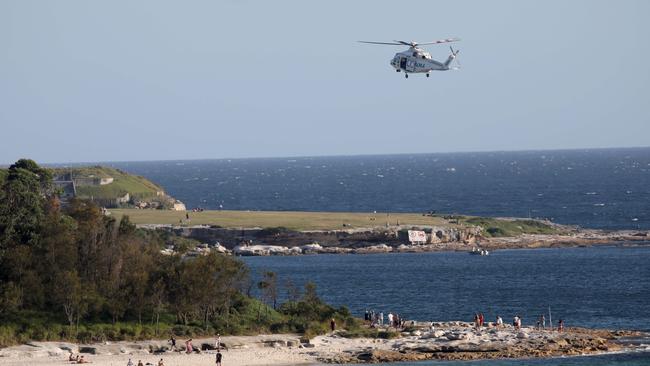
608,188
603,287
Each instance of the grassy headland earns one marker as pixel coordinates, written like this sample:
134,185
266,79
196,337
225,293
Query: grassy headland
123,183
292,220
305,221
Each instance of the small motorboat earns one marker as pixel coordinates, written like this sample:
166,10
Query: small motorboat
478,251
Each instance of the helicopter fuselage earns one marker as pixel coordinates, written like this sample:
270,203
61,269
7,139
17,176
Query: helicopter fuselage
416,60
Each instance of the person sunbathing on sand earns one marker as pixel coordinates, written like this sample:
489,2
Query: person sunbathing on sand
83,360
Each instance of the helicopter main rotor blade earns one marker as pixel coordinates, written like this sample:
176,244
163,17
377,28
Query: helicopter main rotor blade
389,43
407,43
441,41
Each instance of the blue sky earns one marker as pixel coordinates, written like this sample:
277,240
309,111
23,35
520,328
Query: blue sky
156,80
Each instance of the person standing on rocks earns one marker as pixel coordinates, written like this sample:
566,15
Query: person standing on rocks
481,319
560,325
188,346
332,324
543,320
217,343
499,322
390,319
476,321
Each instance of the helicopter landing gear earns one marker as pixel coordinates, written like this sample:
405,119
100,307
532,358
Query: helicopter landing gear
406,75
427,74
398,70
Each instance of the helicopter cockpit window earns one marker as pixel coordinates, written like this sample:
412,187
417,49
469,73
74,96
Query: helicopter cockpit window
415,54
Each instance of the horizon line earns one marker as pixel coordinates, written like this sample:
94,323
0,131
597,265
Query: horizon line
2,165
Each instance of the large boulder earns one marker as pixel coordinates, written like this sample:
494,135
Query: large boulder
260,250
313,248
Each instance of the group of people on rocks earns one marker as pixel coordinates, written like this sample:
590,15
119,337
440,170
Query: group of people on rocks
479,322
376,319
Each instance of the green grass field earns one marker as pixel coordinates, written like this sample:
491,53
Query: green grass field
302,221
289,219
500,228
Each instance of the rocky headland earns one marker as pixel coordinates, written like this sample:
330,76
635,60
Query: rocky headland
263,242
461,341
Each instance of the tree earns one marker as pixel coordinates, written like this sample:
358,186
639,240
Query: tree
310,295
157,297
23,197
269,288
293,291
67,294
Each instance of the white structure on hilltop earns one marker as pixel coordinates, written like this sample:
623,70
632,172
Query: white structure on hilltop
178,206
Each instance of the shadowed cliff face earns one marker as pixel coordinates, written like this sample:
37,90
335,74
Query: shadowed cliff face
340,238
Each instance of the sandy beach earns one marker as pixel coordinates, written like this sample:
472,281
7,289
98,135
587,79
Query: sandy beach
252,350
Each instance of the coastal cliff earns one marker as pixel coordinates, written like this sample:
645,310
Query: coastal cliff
263,242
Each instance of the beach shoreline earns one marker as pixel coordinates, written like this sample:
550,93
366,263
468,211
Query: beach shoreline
421,341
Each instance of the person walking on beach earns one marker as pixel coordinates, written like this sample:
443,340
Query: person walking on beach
188,346
130,363
161,363
172,340
217,343
218,358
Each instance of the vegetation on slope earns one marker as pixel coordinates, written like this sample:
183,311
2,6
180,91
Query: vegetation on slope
73,273
136,186
493,227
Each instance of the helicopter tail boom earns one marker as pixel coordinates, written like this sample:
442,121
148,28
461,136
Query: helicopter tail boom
451,57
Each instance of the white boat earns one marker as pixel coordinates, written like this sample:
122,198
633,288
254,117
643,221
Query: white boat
477,251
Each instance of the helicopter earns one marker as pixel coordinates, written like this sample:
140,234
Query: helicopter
416,60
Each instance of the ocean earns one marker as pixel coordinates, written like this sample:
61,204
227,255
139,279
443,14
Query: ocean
598,287
603,188
602,287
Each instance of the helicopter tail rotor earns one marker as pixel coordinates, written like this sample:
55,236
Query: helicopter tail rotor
451,58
